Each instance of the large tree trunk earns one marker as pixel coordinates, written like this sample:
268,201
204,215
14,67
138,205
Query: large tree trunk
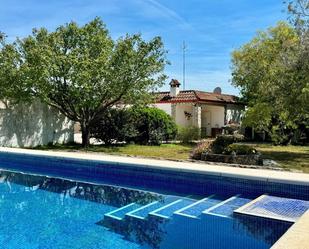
85,135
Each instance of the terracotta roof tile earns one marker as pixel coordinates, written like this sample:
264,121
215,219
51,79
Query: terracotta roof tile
196,96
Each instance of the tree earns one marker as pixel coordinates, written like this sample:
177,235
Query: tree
299,10
268,73
299,18
12,86
82,72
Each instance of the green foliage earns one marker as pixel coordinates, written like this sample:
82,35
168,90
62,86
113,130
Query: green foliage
141,125
271,74
81,71
114,126
231,128
299,14
239,149
258,116
188,134
201,147
152,125
278,135
12,83
221,142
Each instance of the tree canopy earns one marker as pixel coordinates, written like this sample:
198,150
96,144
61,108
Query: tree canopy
82,71
272,79
12,86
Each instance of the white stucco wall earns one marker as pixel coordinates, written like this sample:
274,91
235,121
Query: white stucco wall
180,118
216,115
167,107
234,113
27,125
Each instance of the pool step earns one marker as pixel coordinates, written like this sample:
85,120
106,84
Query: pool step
168,210
142,212
120,213
195,209
278,208
226,208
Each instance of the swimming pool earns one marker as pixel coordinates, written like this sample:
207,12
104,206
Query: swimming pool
129,207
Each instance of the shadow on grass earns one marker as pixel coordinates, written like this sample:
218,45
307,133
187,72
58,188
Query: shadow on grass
123,148
291,160
79,147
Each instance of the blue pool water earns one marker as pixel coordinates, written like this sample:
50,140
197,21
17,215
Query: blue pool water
42,212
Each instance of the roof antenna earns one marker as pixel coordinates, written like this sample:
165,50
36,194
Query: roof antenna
184,49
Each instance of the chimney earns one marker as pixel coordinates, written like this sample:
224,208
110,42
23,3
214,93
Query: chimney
174,90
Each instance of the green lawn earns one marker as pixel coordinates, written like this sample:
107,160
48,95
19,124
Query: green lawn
289,157
166,151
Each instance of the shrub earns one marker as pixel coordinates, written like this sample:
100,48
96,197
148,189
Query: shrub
141,125
152,126
231,128
188,134
114,125
240,149
201,148
279,135
222,141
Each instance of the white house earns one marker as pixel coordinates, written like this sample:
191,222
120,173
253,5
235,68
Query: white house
208,111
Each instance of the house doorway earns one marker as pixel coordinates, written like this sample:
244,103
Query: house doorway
206,124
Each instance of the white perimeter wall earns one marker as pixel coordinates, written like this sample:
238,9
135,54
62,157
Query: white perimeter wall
28,125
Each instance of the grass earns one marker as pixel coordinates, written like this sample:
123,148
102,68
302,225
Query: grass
289,157
165,151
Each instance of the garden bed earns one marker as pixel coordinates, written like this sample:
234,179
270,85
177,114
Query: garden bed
236,159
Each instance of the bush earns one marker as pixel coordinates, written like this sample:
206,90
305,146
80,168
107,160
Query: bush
280,135
201,148
231,128
152,126
239,149
188,134
222,141
142,125
114,125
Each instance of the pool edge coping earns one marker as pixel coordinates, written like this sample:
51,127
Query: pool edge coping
296,237
266,175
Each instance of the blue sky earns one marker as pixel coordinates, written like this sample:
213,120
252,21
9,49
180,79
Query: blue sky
212,29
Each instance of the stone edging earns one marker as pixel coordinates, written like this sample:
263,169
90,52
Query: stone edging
297,236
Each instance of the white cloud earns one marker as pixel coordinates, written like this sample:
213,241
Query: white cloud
154,9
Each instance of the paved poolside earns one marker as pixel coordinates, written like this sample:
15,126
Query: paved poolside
297,237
